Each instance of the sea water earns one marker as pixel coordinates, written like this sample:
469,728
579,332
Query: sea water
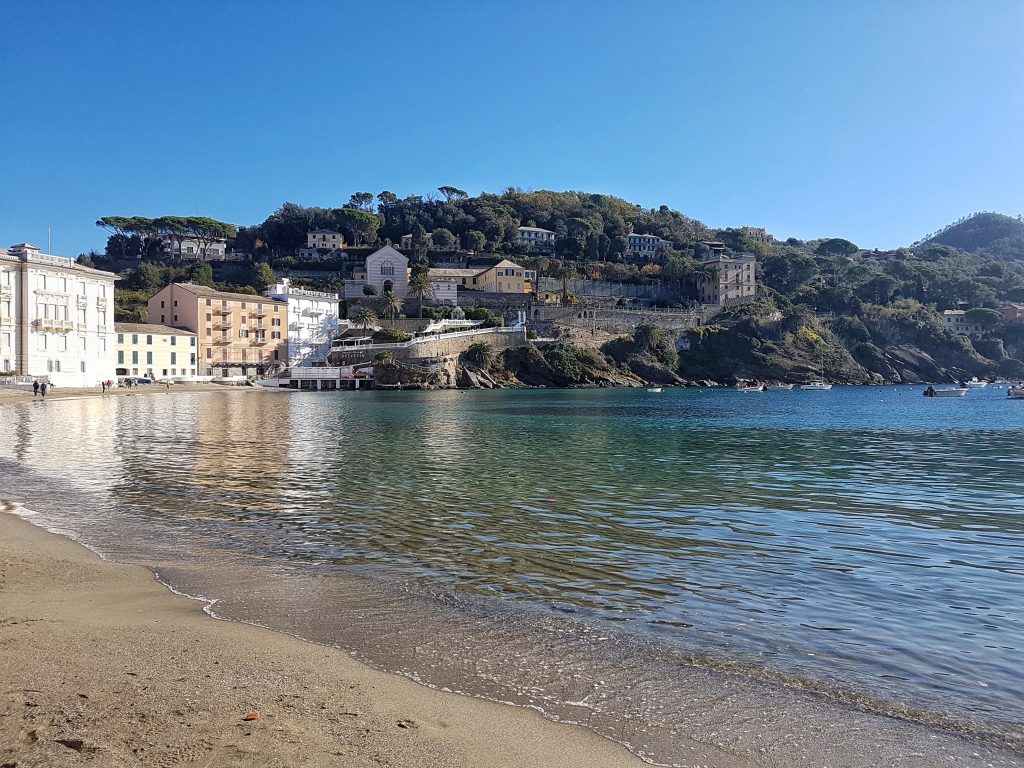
805,578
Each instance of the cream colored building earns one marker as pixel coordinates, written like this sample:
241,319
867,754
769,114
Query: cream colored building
318,240
191,249
504,277
735,282
56,318
238,334
157,351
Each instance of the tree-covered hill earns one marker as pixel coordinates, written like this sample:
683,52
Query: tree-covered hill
989,234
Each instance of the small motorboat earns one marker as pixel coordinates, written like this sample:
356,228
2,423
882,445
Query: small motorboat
779,387
655,390
750,387
975,383
816,386
1016,392
951,392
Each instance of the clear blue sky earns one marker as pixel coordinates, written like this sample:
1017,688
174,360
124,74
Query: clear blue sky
876,121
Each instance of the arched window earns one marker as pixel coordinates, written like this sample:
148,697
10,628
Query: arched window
387,268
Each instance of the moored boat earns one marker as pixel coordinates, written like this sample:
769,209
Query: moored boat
952,392
975,383
1016,392
654,389
816,386
779,387
750,387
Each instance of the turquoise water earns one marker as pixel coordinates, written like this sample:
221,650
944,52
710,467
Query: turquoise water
865,543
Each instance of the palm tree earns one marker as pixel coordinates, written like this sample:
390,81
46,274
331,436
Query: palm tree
365,317
393,304
420,285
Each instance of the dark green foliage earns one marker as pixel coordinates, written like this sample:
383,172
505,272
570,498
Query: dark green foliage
390,336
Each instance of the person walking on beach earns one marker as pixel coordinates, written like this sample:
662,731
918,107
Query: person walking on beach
35,388
103,387
42,389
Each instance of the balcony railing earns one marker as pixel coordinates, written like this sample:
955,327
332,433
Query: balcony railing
221,310
221,339
223,323
49,325
259,312
258,339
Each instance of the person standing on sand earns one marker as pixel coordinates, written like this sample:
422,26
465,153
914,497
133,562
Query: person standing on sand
35,388
103,387
42,389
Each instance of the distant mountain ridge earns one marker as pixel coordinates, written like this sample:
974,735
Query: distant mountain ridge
991,234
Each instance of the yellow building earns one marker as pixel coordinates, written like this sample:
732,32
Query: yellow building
144,349
504,277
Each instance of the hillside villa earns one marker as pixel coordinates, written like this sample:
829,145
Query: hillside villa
504,277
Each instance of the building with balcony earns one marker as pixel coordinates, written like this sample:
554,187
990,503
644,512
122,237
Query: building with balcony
320,240
734,280
156,351
312,322
536,240
645,246
238,334
56,318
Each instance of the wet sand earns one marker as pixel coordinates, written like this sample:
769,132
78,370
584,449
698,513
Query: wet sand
100,664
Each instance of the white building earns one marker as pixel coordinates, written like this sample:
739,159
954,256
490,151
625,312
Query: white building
387,270
56,318
312,321
318,240
645,246
189,248
536,240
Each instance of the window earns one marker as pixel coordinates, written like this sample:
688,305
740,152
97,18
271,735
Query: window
192,341
175,318
209,353
162,318
149,358
149,340
135,338
135,357
209,317
83,366
120,357
161,305
174,341
174,358
120,338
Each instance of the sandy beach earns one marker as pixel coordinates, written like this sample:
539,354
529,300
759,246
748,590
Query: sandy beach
12,394
101,665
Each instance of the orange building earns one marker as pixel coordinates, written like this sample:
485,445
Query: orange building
238,334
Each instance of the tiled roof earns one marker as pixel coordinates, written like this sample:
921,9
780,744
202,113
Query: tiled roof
150,328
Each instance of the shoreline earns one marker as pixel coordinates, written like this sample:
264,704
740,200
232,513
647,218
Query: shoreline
103,662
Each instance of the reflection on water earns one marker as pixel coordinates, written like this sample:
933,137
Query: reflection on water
866,540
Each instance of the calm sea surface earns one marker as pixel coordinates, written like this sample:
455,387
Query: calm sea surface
680,570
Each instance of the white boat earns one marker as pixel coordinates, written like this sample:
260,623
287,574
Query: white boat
816,386
1016,392
654,389
976,384
779,387
952,392
752,388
